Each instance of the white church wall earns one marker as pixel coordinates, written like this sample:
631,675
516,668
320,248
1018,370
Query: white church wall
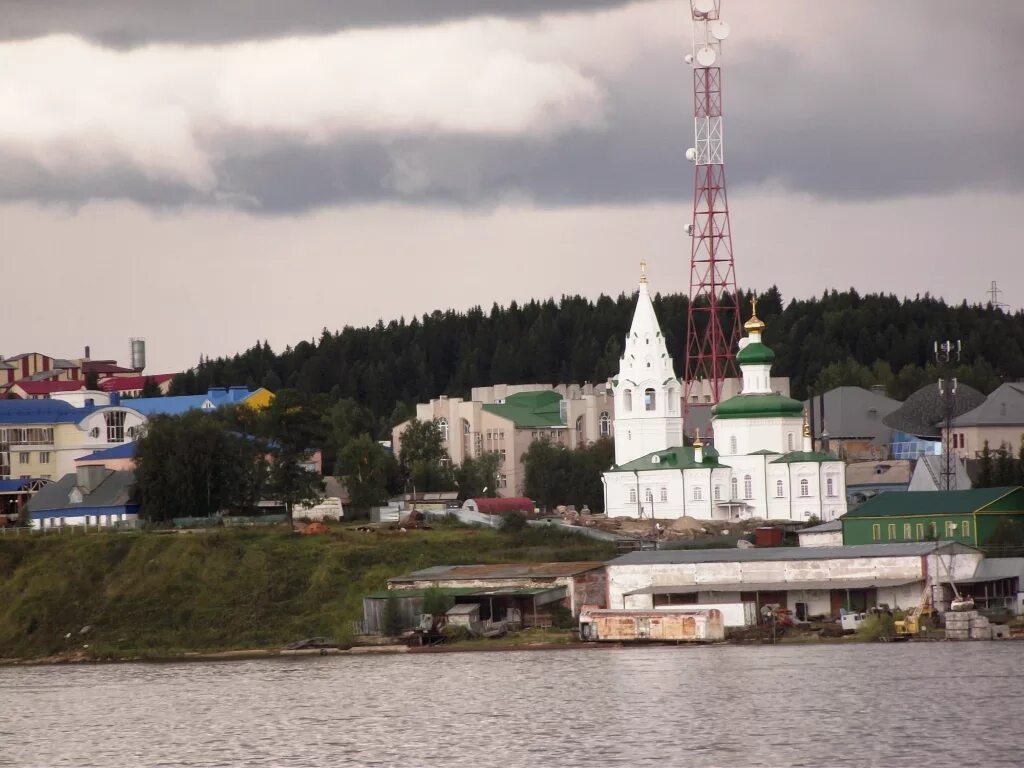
741,436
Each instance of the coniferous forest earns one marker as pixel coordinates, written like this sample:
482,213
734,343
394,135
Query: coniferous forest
834,339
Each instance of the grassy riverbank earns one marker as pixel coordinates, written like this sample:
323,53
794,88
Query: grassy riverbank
159,595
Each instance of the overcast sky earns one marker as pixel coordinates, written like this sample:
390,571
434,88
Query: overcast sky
208,174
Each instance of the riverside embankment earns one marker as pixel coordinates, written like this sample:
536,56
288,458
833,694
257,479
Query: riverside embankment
167,595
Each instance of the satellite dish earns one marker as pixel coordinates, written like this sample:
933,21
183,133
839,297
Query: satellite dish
703,6
688,58
720,30
706,56
691,154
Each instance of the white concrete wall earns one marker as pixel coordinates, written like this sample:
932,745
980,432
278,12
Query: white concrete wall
823,539
757,434
101,520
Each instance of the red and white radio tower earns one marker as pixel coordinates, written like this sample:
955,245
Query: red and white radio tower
713,321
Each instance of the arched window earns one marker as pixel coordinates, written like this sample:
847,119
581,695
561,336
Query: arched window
442,427
805,487
778,489
830,487
605,424
664,494
732,445
650,399
735,488
718,493
632,495
698,494
648,496
627,399
673,400
579,431
748,487
465,427
789,441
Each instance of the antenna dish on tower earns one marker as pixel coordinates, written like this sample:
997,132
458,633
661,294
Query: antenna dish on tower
691,154
706,56
720,30
703,6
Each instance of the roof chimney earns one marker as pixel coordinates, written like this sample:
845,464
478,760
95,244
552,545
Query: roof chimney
86,355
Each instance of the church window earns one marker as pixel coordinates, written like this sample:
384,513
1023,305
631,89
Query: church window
698,495
671,400
778,489
732,445
650,401
830,487
579,431
789,441
664,494
805,487
632,495
748,487
906,532
605,424
735,488
442,426
627,399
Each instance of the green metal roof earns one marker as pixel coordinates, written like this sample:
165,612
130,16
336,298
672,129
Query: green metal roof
530,409
757,406
671,458
801,457
903,503
755,352
764,452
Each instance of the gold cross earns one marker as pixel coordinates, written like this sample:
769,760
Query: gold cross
753,306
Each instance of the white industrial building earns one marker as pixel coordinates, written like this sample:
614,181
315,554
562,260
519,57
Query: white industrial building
810,581
761,463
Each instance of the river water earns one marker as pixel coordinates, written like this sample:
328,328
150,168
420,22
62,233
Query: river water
940,704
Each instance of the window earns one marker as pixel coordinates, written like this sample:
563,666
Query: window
442,426
735,488
650,400
919,530
830,487
627,399
732,445
778,489
718,493
604,424
891,531
502,481
876,532
789,441
933,529
664,494
632,495
501,456
950,529
579,431
805,487
748,487
44,457
648,496
673,400
24,457
697,494
965,529
906,531
115,426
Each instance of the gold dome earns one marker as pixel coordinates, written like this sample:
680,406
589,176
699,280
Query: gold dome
754,324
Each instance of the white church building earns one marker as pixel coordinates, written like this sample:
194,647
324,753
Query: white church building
761,463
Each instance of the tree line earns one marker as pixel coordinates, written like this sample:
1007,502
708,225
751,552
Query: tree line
840,337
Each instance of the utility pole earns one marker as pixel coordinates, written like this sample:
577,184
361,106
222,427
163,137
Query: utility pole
946,353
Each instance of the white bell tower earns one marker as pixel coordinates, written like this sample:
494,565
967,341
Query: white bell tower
648,396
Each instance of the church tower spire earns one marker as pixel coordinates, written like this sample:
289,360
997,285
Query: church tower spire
648,395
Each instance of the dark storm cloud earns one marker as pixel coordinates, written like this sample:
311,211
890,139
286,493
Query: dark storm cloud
134,22
892,121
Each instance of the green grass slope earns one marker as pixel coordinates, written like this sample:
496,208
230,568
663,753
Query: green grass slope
158,595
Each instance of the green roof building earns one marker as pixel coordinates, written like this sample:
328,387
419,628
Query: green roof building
972,517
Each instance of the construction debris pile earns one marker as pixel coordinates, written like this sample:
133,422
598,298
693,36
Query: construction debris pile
687,528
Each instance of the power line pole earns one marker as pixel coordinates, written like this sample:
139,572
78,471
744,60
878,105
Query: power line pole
945,354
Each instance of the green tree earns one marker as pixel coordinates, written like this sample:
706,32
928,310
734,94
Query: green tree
423,459
367,469
478,477
343,422
293,430
150,388
985,467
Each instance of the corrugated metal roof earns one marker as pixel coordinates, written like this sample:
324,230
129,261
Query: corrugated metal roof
829,527
116,489
40,412
931,502
774,586
122,451
769,554
995,568
499,571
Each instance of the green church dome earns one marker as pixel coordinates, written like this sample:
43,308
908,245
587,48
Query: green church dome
757,406
755,353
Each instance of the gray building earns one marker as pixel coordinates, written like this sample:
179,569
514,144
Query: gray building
850,421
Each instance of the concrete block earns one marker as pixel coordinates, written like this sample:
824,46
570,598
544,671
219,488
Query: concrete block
957,634
982,633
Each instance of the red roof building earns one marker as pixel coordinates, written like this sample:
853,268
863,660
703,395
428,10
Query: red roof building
132,385
499,506
41,390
